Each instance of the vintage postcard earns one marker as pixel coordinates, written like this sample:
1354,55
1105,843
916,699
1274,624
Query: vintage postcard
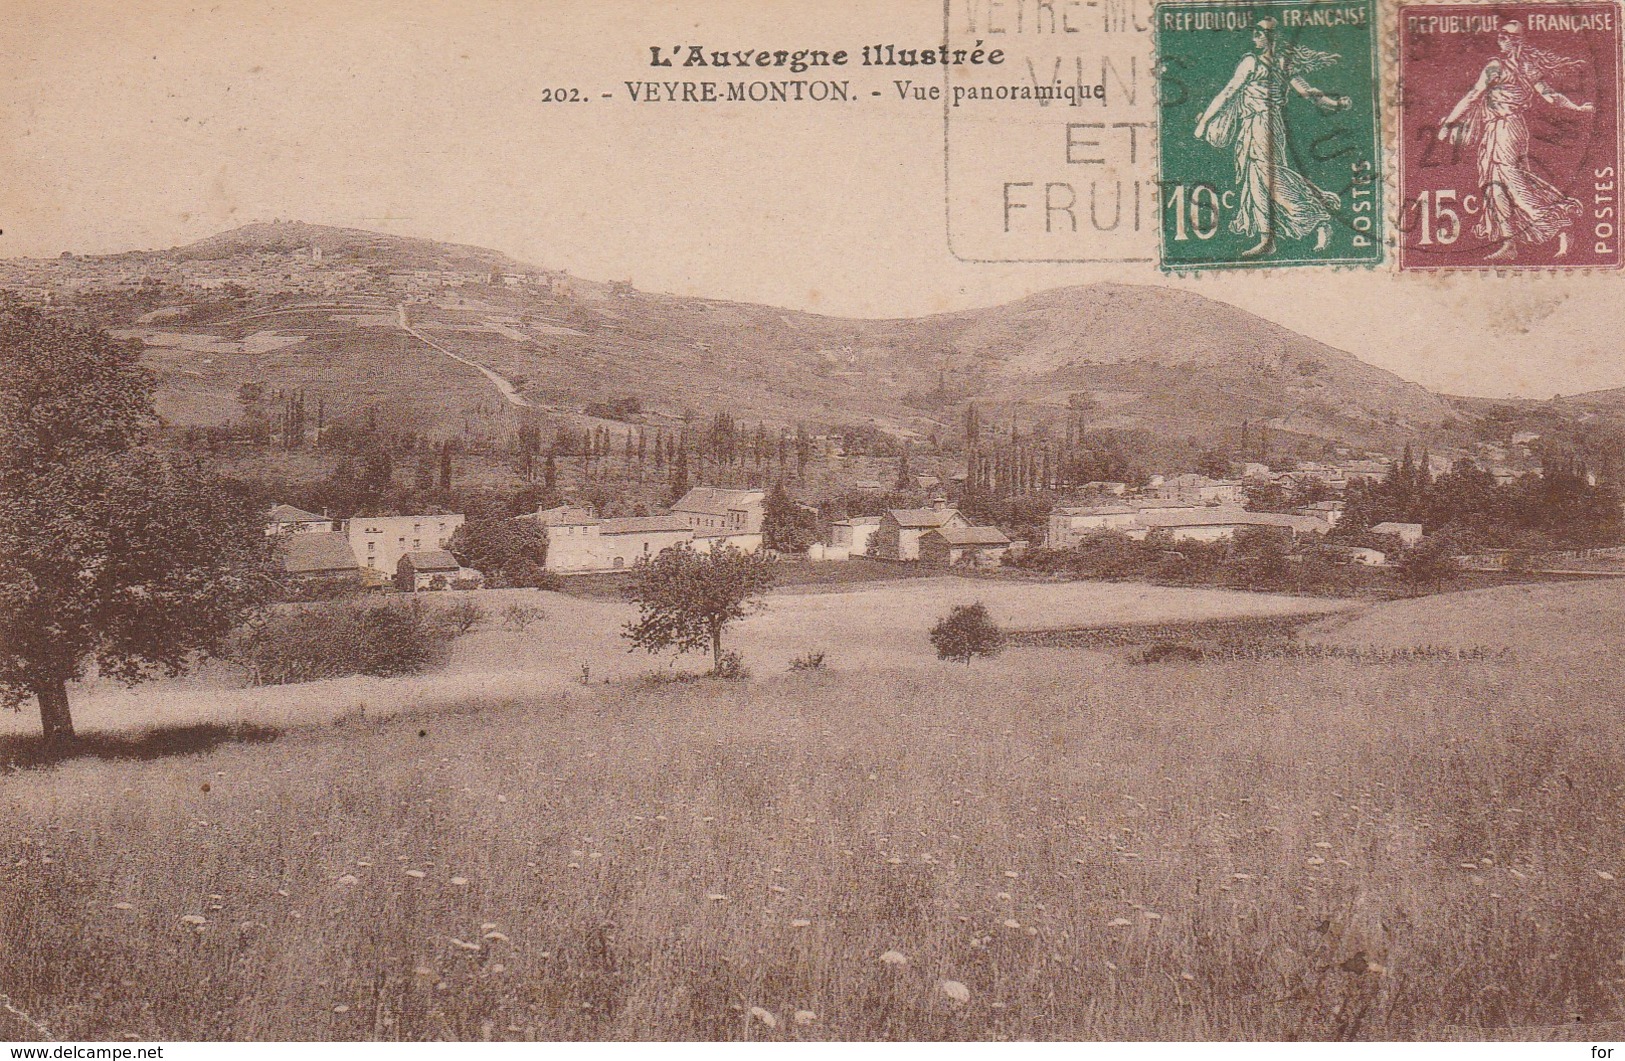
590,520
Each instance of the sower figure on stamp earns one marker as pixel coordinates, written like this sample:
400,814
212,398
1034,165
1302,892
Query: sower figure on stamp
1248,116
1519,207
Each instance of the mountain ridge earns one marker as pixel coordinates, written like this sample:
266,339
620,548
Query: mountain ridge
1173,362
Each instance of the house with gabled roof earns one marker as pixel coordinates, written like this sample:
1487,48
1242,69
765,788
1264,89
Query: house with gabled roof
317,555
948,546
900,530
286,519
1407,533
432,569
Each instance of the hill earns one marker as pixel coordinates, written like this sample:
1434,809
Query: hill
1172,363
352,244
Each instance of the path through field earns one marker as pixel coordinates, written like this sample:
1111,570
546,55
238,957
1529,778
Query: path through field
503,386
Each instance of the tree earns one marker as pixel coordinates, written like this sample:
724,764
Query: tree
965,632
905,478
686,599
1213,464
1426,565
679,477
786,527
114,550
509,552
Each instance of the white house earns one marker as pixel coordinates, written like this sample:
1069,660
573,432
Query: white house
853,535
578,541
900,529
1069,525
379,542
847,538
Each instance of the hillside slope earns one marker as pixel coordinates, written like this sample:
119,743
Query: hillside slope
1170,362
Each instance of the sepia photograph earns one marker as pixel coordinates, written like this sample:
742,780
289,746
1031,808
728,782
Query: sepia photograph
974,521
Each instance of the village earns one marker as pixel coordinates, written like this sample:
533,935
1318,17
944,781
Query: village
410,552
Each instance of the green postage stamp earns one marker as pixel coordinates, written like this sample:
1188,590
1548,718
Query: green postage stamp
1269,145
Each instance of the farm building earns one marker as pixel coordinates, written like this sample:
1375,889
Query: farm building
947,546
853,535
710,509
379,542
623,541
705,542
1201,489
1212,524
847,538
898,535
579,541
1068,525
1407,533
285,519
431,569
318,554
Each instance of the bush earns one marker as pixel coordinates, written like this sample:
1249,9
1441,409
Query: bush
731,667
965,632
320,589
463,616
336,641
517,616
808,661
1170,652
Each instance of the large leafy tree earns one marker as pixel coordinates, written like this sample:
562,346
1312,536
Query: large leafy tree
509,552
111,550
686,599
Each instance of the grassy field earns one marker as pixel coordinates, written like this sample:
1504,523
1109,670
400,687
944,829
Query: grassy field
874,625
1569,621
1059,845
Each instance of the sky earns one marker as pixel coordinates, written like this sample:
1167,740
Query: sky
149,125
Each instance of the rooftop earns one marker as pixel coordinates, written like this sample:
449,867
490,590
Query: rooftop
317,552
716,501
289,514
432,560
1233,517
644,525
971,535
923,517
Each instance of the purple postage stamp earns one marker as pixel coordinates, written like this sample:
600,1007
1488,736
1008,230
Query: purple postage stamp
1509,135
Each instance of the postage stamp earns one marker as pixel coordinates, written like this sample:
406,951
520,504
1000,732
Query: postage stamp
1269,142
1509,136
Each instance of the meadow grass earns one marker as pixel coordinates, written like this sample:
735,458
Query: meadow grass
1236,850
